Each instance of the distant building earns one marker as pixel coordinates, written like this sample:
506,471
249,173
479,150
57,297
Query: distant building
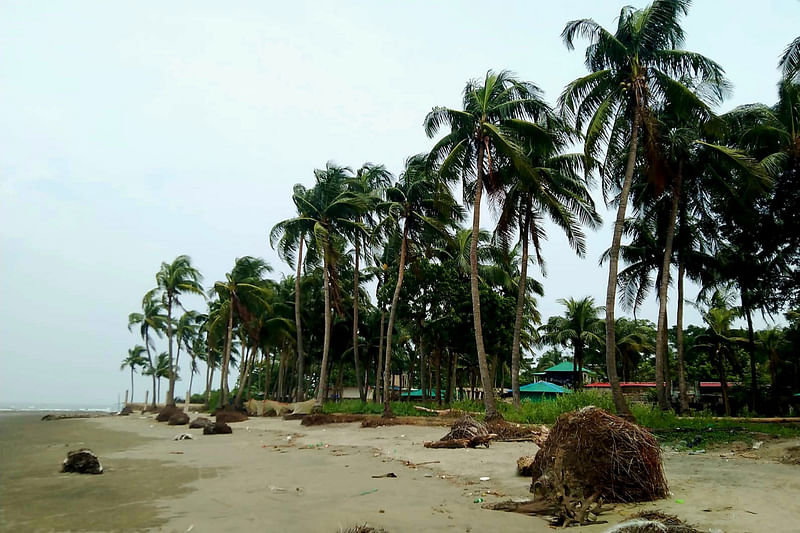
540,390
561,374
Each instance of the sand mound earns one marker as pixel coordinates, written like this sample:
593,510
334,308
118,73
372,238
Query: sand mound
219,428
201,422
82,461
178,419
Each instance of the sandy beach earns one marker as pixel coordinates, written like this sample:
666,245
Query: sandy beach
276,475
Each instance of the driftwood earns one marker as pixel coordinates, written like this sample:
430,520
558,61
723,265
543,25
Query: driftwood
473,442
444,412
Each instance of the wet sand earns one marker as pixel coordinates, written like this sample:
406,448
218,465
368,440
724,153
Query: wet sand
320,480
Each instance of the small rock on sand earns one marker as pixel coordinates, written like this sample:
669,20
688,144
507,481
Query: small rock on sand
219,428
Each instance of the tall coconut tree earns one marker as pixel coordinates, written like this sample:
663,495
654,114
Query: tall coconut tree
134,360
173,280
368,183
579,327
150,321
498,118
242,290
289,236
334,211
416,204
553,190
790,61
637,65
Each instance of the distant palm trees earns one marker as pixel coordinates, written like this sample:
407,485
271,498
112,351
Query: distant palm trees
135,359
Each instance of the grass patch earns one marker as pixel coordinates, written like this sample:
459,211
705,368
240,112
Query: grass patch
699,431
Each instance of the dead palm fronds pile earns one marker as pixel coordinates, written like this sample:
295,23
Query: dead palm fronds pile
593,457
466,432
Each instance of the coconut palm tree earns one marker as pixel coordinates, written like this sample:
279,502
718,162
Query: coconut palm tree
580,327
133,360
553,190
416,204
150,320
334,212
242,290
631,69
790,61
173,280
289,236
368,183
498,119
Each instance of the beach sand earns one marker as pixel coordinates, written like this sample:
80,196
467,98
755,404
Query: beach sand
320,480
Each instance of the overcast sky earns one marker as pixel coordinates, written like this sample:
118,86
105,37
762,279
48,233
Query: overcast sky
131,132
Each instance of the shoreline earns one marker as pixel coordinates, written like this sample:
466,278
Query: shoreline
277,475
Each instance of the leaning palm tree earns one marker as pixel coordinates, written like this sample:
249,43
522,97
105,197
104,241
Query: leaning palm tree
132,361
497,120
579,327
553,190
150,320
418,203
175,279
630,70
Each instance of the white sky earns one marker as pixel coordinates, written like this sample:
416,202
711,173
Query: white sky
136,131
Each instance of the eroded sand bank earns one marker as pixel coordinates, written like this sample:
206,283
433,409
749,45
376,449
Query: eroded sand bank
320,480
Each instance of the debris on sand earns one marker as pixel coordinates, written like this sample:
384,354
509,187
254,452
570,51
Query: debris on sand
593,457
653,522
320,419
226,416
466,432
524,465
178,419
166,413
183,436
82,461
201,422
219,428
362,529
508,432
127,410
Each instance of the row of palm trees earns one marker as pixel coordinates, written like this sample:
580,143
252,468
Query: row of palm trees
698,184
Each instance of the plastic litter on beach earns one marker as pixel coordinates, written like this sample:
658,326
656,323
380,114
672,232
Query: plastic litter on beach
390,474
697,452
485,478
371,491
757,445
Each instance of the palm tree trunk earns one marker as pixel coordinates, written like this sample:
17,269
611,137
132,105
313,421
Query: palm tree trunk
486,379
661,333
523,277
131,384
244,375
613,266
751,349
153,368
684,397
171,389
724,382
379,369
361,393
191,379
387,372
577,366
300,393
326,344
226,357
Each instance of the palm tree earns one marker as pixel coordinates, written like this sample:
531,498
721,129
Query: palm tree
630,70
334,212
556,190
186,333
133,360
175,279
418,203
790,61
497,120
290,235
719,341
368,183
579,327
241,291
150,320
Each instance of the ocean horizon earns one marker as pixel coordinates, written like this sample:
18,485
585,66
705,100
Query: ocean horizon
34,407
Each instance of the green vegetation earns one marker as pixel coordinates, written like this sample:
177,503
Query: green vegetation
700,194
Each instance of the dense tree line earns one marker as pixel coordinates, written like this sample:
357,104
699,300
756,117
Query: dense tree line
701,195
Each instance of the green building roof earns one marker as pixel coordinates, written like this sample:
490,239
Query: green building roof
566,366
542,386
